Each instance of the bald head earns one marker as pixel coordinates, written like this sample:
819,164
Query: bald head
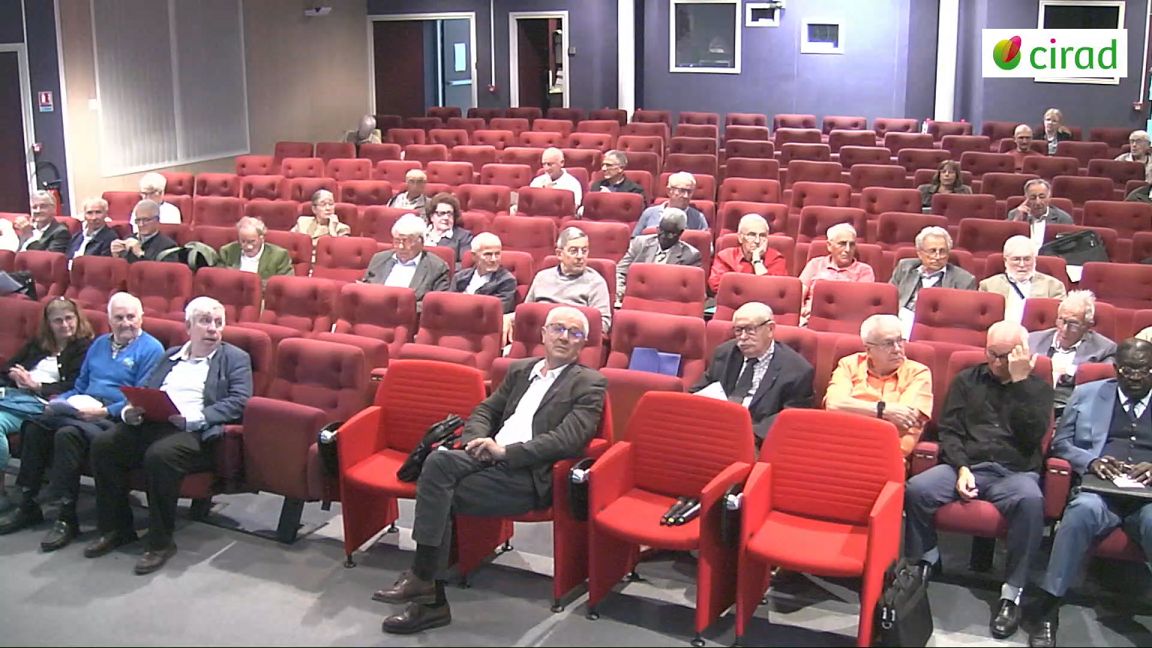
1006,333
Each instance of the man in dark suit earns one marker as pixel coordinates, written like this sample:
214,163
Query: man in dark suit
664,246
407,265
930,269
209,381
149,242
487,276
1072,342
95,238
44,233
758,372
1106,430
546,409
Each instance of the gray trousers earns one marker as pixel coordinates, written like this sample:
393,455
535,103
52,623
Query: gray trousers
1088,518
1016,495
454,482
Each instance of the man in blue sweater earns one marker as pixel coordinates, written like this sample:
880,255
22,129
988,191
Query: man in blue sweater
62,435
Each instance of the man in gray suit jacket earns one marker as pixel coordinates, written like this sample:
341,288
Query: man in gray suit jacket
1072,342
930,268
407,265
1106,431
664,246
1037,207
545,410
209,382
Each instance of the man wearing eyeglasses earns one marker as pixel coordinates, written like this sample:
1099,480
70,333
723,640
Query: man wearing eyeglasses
1106,431
991,432
882,382
571,282
614,180
752,256
758,372
930,269
664,246
1139,144
407,265
1072,342
546,409
681,186
1020,279
149,242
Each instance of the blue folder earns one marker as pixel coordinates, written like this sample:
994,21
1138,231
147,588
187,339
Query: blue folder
653,361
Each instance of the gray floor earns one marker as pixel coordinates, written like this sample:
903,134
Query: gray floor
225,587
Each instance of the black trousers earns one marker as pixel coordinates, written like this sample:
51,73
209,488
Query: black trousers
166,454
452,481
64,448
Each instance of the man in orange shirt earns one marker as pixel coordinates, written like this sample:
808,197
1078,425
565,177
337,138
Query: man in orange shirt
883,382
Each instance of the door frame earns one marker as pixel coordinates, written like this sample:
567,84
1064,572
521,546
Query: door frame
514,54
470,16
26,110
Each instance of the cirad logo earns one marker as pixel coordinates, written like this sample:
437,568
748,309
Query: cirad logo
1055,53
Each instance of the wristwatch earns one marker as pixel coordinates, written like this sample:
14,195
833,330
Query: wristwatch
880,409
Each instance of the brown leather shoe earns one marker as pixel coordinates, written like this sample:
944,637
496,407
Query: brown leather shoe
417,618
408,589
154,559
109,541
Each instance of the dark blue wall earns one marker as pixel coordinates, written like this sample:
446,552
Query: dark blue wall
44,74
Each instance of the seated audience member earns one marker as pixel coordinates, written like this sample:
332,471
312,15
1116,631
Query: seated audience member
443,214
324,221
152,186
946,180
555,176
741,365
149,241
1054,129
1023,138
664,246
407,265
1106,431
1145,334
614,180
1139,143
9,239
209,381
752,256
681,186
546,409
991,433
365,133
487,276
930,269
44,232
62,435
46,365
1140,194
1020,279
413,196
882,382
250,253
840,265
571,282
1072,342
1037,210
95,237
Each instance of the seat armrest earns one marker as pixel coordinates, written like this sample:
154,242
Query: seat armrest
1057,487
925,455
757,499
360,437
884,525
609,478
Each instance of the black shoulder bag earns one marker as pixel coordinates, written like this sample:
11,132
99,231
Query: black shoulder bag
903,616
442,433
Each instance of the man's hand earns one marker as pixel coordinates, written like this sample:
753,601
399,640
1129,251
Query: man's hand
1141,472
485,449
966,484
118,248
506,336
21,224
902,416
1020,363
1105,467
92,413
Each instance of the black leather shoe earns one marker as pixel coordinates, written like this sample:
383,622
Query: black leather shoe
20,518
408,589
109,541
1006,621
1044,634
154,559
417,618
62,533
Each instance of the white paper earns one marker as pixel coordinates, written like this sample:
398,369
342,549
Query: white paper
459,51
83,401
1074,273
714,390
1124,481
907,319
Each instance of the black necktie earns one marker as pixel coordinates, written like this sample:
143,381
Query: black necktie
1132,409
744,382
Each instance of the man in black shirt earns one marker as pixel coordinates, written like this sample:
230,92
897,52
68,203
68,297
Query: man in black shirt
991,434
614,179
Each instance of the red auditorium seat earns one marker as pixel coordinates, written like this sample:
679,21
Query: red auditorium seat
375,311
850,156
812,171
662,288
1080,189
877,200
296,305
178,183
601,127
790,151
302,167
951,319
693,145
642,115
832,123
649,129
831,194
423,123
262,187
957,207
983,237
120,203
731,211
515,125
745,167
615,114
530,113
841,306
513,176
458,328
556,204
942,129
522,155
689,117
425,153
537,236
913,159
980,162
1128,218
484,113
749,147
20,324
216,211
790,135
376,222
839,138
958,145
329,151
449,173
374,153
815,220
667,333
489,200
276,214
496,138
897,229
570,114
885,125
1141,246
750,190
606,239
1085,152
745,119
541,139
364,193
301,189
256,165
163,288
591,141
706,131
694,163
998,130
450,137
394,171
217,184
575,159
477,154
613,207
564,127
93,279
862,176
782,294
1124,285
284,150
343,258
238,291
345,169
898,141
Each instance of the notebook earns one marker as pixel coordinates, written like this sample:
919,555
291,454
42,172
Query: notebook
653,361
1094,484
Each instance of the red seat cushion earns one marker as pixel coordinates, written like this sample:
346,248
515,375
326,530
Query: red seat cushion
636,517
810,545
379,472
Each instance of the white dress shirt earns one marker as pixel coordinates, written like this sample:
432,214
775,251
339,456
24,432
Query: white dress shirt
402,273
185,386
566,181
758,373
477,281
251,263
518,427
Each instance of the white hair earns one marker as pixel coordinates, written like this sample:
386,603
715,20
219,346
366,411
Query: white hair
683,176
202,305
252,223
675,217
1084,300
569,234
415,174
933,230
878,321
94,201
755,310
125,299
153,182
1140,135
320,194
552,152
408,225
1019,242
485,238
1047,185
43,196
840,228
567,311
751,219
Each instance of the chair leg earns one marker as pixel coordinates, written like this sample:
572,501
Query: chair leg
698,641
592,614
200,508
348,562
983,553
289,520
392,528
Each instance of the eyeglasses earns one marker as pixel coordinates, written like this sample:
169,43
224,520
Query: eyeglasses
1020,259
888,345
450,212
147,219
1070,323
741,331
1000,357
937,253
755,236
574,334
679,190
1133,373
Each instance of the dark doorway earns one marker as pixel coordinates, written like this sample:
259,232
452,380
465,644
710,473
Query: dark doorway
13,160
398,55
532,57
